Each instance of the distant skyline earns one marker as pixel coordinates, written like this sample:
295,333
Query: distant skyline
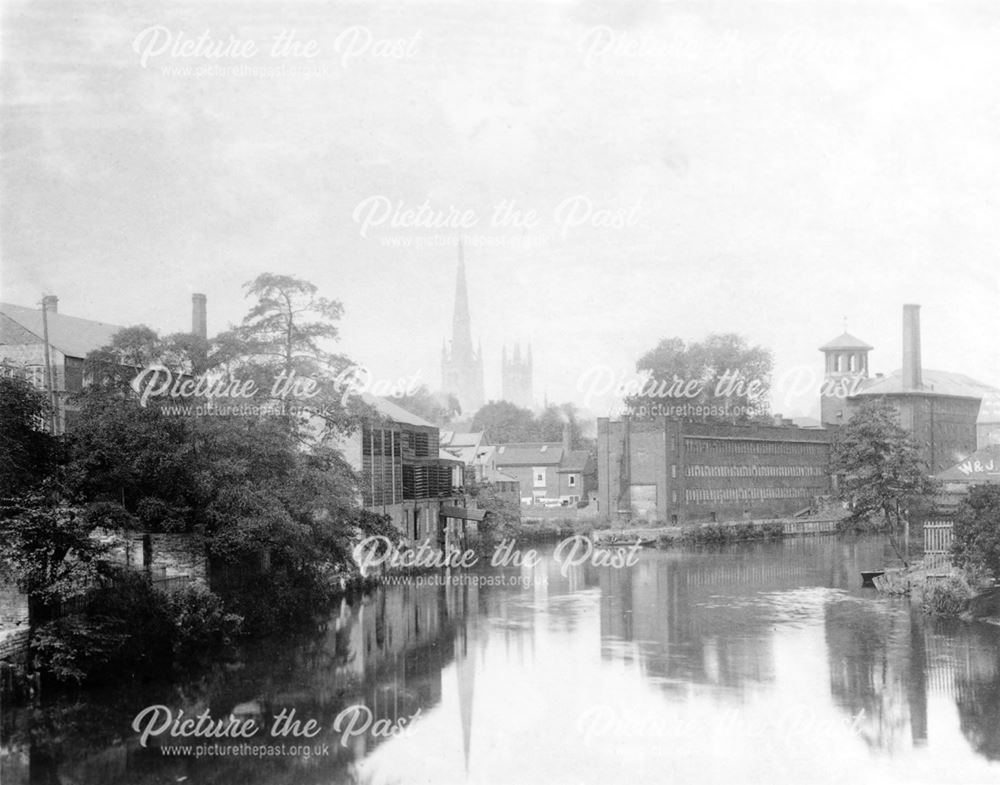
760,168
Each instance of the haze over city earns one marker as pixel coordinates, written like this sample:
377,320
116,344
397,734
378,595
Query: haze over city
794,170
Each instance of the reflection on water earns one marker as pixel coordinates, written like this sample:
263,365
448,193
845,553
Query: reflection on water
758,662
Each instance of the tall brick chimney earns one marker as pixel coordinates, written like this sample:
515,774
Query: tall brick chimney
911,348
199,315
51,303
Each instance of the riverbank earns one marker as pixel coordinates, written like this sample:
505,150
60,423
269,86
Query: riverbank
690,534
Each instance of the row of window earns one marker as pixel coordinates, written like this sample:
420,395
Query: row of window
710,495
752,471
751,447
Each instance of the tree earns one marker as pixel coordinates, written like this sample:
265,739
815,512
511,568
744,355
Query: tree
27,449
723,372
976,531
49,549
502,422
553,420
112,367
879,470
136,457
503,514
288,326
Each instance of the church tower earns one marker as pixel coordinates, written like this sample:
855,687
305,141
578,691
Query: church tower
516,378
461,366
846,370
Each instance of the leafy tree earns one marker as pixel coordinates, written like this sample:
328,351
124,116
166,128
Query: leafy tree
503,516
550,423
976,532
27,451
49,550
723,371
112,367
879,470
136,457
288,329
503,422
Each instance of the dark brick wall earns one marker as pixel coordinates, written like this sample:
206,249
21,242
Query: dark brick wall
680,472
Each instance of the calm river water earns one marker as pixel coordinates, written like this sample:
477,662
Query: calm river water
756,663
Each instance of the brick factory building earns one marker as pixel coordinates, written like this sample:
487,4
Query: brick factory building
949,415
677,472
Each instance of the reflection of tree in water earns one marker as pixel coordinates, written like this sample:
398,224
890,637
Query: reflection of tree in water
705,620
872,670
386,650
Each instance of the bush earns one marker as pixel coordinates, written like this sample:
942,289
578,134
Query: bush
127,627
947,598
720,533
121,627
976,533
201,625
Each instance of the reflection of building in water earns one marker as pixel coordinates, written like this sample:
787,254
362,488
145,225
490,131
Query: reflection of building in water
964,663
878,671
888,664
711,619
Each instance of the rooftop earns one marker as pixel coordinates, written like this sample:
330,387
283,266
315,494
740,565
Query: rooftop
845,341
575,461
393,411
529,454
934,383
71,335
983,466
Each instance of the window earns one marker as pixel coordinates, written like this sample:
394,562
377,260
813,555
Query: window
572,481
539,474
673,470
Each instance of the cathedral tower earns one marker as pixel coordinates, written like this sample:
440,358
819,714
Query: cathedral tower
516,378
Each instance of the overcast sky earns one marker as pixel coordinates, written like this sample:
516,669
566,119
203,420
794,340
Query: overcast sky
765,168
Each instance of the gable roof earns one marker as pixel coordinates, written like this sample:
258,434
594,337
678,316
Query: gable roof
71,335
845,341
575,461
983,466
934,383
460,439
393,411
529,454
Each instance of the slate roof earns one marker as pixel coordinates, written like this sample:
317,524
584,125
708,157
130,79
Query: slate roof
983,466
530,454
460,439
575,461
71,335
845,341
934,383
394,411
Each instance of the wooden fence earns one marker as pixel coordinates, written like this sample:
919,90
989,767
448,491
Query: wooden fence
937,538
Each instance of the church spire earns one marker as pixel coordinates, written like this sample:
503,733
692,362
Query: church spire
461,368
461,327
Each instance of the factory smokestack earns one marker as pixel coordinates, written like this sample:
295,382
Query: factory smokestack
199,315
911,348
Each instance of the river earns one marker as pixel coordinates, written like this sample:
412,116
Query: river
761,662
